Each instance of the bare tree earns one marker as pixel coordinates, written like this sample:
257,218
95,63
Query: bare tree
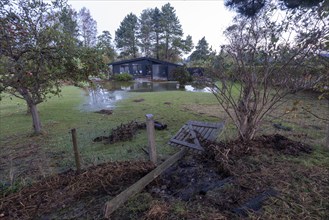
265,59
88,28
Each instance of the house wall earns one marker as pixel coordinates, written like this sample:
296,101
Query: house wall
147,67
170,72
143,67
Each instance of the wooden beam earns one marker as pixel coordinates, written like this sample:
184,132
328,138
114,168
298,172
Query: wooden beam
117,201
75,149
151,138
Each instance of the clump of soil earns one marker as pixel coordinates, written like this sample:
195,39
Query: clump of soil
138,100
123,132
63,190
105,112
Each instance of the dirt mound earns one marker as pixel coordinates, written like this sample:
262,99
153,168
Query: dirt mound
125,132
238,178
283,144
60,191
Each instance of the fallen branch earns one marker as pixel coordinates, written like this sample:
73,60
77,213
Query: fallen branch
116,202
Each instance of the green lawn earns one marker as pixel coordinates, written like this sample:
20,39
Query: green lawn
52,152
60,114
25,158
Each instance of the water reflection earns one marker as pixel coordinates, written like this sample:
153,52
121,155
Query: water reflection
106,94
141,86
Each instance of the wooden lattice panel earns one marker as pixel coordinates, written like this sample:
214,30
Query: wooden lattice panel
188,135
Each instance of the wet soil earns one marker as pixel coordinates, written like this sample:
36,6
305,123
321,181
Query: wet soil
105,111
72,194
227,181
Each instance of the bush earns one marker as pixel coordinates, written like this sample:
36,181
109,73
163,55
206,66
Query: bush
123,77
182,75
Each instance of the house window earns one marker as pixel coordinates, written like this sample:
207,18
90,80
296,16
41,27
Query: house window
124,68
137,69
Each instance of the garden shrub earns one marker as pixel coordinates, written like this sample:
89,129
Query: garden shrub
123,77
182,76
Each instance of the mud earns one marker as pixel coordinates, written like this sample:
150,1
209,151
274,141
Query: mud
228,181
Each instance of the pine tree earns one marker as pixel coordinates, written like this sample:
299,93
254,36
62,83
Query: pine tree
104,44
201,52
126,36
172,28
145,33
157,31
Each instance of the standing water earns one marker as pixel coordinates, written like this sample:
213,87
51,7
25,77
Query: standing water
105,95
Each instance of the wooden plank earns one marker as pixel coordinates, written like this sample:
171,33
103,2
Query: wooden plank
193,135
116,202
188,133
203,132
179,133
214,134
208,133
206,124
183,134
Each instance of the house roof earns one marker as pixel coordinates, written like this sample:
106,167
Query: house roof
324,54
143,58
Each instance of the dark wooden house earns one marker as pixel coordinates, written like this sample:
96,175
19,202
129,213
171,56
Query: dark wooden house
145,67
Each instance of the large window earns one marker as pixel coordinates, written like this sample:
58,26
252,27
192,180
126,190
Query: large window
124,68
137,69
159,70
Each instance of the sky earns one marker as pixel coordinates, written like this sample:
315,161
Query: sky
198,18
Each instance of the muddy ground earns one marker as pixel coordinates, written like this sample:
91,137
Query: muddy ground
231,180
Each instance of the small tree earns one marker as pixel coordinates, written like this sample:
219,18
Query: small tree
37,54
87,28
263,63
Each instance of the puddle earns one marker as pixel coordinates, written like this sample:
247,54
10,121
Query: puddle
100,98
106,94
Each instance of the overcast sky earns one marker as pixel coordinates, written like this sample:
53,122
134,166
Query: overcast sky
198,18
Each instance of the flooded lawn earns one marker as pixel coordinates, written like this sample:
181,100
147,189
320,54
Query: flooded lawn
106,94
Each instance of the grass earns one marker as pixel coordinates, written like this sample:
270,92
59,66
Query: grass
25,158
60,114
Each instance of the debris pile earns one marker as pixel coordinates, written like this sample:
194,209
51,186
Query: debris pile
59,191
125,132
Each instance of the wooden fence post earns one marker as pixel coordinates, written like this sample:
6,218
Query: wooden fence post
151,138
75,149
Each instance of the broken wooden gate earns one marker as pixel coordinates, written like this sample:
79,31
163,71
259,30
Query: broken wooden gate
189,134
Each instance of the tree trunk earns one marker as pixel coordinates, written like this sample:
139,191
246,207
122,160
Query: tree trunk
327,142
157,46
167,48
35,118
247,128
